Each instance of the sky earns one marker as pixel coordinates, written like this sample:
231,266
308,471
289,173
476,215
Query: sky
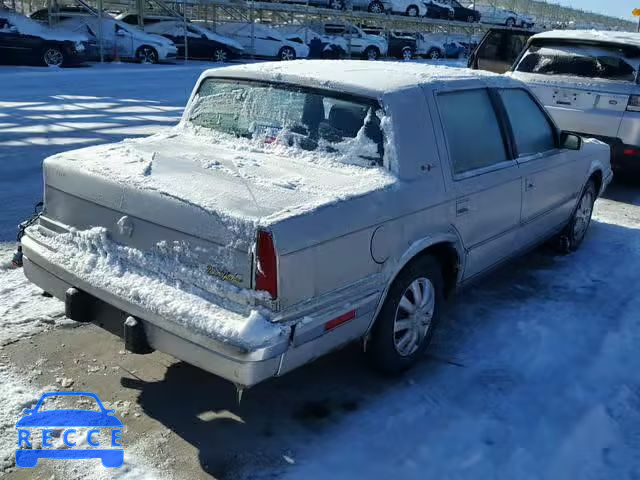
615,8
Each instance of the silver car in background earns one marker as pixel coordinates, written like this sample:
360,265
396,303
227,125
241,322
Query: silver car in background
588,81
303,205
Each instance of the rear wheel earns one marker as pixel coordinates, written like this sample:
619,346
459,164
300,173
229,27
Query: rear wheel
575,231
413,11
407,53
376,7
371,53
433,54
220,54
337,4
53,57
146,54
510,22
287,53
471,19
405,324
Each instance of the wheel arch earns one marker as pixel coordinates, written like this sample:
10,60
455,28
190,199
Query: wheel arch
447,248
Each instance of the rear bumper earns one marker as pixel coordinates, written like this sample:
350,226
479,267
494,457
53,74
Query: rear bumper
625,159
306,340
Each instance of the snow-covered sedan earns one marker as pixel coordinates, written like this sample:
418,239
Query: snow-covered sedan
300,206
23,40
496,16
263,41
411,8
201,43
320,46
359,43
588,80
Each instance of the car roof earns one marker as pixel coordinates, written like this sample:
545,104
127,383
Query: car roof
591,36
360,77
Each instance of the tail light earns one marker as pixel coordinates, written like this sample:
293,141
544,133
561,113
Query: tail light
634,103
266,264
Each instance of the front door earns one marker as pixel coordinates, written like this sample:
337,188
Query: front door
551,177
486,183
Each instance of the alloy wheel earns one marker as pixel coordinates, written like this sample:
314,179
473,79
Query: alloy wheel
287,54
147,55
53,57
407,54
412,11
220,55
414,316
583,216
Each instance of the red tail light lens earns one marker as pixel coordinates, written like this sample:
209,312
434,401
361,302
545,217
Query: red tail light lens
266,264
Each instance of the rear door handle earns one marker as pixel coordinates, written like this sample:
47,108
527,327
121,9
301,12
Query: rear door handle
462,207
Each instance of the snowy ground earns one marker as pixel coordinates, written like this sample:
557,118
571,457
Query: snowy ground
533,374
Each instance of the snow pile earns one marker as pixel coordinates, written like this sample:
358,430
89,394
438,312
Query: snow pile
23,310
161,285
26,26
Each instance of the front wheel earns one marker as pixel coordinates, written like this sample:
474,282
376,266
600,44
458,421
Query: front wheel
575,231
53,57
287,53
407,53
371,53
146,54
337,4
433,54
376,7
471,19
413,11
510,22
220,55
406,321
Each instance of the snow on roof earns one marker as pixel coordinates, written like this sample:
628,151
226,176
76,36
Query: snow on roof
357,76
623,38
27,26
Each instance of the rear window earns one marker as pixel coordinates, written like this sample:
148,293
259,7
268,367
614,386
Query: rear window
291,116
579,61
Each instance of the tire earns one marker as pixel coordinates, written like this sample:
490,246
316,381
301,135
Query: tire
337,4
407,53
53,57
511,22
433,54
471,19
376,7
371,53
146,54
399,338
221,55
413,11
575,231
286,54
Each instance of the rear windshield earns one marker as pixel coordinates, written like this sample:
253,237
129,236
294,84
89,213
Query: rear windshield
579,61
291,116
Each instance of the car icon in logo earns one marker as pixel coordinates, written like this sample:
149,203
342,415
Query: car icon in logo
64,421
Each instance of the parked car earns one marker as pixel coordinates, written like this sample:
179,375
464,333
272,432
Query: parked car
462,13
453,49
359,43
588,81
437,9
201,42
429,47
526,21
411,8
494,15
119,40
263,41
376,6
498,49
402,45
23,40
299,207
320,46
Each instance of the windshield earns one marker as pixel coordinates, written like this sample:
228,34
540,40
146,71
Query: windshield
578,61
290,116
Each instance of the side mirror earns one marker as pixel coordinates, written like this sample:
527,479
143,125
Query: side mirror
570,141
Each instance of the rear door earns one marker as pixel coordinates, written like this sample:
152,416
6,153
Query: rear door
551,177
484,178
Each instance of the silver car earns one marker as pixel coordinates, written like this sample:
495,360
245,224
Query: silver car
301,206
588,81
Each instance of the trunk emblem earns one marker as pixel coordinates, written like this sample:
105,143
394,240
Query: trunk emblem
125,226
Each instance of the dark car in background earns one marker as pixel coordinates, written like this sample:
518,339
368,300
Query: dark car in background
437,9
25,41
402,45
498,49
461,13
